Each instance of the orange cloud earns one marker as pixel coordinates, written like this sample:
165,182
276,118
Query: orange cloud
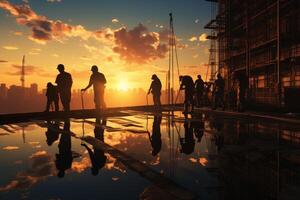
193,39
139,45
18,33
43,29
133,46
115,20
10,148
10,47
202,37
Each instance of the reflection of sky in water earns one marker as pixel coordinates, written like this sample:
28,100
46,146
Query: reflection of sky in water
28,170
188,154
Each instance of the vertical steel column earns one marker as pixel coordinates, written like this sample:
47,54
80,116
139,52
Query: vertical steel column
278,54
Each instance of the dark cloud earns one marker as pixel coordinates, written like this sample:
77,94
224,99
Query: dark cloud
29,70
3,61
16,70
139,45
42,166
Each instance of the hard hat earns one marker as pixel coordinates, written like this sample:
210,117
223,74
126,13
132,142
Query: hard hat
153,76
60,67
94,68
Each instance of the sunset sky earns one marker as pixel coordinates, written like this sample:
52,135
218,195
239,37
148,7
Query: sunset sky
126,39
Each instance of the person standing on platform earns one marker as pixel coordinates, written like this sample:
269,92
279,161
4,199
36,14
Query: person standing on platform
219,87
155,89
52,97
199,88
187,84
64,84
98,81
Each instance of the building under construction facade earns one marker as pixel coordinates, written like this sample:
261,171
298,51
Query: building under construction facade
260,41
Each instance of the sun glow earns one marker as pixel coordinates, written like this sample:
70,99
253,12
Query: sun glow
123,85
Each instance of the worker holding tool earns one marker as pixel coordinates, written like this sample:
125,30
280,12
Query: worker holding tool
187,84
98,81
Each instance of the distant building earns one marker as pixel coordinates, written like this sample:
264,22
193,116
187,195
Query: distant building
15,93
33,90
3,91
260,40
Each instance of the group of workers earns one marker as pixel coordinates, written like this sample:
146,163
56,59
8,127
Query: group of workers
195,93
64,83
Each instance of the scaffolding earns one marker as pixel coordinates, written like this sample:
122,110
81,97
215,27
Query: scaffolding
259,40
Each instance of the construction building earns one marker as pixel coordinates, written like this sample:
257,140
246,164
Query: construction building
260,41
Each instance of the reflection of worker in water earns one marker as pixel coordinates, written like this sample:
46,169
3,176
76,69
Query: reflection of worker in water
64,158
155,89
218,125
98,81
155,138
64,84
198,127
52,133
188,142
98,159
187,84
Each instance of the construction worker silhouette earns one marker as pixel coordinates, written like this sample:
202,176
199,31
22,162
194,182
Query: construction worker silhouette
98,81
64,84
187,84
155,89
155,138
65,157
219,92
97,156
199,88
188,142
52,97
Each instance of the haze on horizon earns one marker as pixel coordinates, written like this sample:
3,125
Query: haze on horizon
127,41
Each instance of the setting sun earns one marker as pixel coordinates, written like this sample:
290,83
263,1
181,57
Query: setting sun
123,85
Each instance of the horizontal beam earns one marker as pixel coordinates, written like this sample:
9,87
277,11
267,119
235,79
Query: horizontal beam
87,113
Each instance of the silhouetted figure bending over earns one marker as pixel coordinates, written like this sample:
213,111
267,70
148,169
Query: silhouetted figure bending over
155,138
98,81
98,159
218,90
64,158
199,88
188,142
64,83
187,84
52,97
155,89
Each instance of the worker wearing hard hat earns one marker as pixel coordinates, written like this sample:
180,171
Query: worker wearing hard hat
98,81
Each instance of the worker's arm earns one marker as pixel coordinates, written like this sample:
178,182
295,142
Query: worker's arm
150,88
181,87
89,85
104,79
